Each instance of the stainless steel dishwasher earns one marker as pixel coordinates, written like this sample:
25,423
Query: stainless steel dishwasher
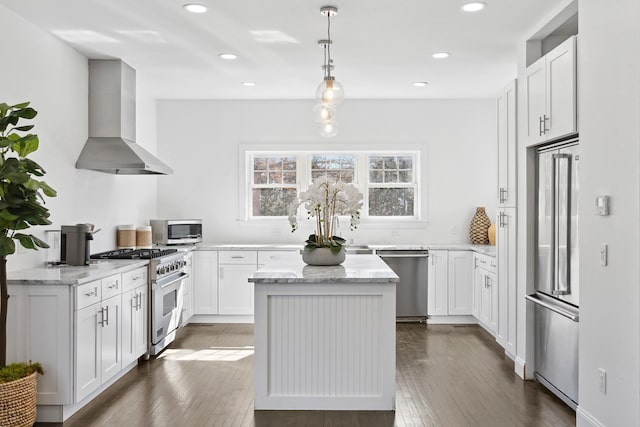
411,290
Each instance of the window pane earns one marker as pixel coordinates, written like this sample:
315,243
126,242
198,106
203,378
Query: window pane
289,177
259,177
391,202
375,162
405,163
375,176
346,176
273,201
390,162
260,163
335,167
390,176
289,163
406,176
275,163
275,177
317,174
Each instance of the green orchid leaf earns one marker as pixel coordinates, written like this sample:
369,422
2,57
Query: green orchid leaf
7,245
338,239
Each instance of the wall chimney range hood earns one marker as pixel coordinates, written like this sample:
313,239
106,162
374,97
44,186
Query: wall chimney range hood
111,146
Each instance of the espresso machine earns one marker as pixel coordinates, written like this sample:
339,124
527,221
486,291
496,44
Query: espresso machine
74,244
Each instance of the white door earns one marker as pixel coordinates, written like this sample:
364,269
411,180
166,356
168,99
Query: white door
88,350
535,90
235,293
460,299
111,337
561,89
205,282
437,283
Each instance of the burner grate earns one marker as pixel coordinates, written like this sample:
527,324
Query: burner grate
134,254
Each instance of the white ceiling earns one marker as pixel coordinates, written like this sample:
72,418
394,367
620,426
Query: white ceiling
379,49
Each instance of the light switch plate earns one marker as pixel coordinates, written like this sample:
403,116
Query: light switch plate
602,205
604,254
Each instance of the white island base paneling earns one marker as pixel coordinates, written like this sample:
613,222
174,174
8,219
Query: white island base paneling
325,346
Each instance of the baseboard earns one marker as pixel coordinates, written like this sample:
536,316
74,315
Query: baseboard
520,367
221,318
585,419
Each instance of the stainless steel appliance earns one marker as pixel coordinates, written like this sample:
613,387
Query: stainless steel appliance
556,297
167,271
176,231
74,244
411,290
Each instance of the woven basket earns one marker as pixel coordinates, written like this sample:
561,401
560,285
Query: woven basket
18,402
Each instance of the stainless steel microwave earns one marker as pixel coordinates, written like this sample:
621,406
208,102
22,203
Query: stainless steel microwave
176,231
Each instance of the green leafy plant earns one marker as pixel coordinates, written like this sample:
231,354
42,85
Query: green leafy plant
21,197
15,371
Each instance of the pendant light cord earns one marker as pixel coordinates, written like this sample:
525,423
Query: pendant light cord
328,59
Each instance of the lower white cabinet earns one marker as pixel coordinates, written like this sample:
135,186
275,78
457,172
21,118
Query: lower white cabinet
506,258
485,292
205,282
187,291
235,293
134,324
449,291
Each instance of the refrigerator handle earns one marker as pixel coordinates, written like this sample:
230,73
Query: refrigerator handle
561,227
553,243
534,299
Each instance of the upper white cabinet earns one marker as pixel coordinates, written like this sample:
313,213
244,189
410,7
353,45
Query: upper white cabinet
506,108
550,90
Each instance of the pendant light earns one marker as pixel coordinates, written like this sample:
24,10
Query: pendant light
329,92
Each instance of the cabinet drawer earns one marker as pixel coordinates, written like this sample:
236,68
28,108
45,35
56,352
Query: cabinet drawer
111,286
133,279
238,257
265,256
485,262
88,294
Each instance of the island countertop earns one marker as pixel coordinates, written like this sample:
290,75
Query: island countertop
289,268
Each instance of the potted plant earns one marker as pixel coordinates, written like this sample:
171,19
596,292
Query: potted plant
21,206
325,200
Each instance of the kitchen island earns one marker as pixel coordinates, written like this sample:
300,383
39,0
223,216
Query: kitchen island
325,336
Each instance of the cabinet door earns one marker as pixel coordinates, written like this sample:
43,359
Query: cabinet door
205,283
460,283
478,284
235,293
507,123
88,350
492,315
561,89
535,89
111,330
129,307
485,300
140,320
437,283
506,257
187,292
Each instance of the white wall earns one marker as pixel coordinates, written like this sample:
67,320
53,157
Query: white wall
39,68
609,85
201,139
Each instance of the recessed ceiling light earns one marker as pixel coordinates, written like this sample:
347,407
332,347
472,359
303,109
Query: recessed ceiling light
195,8
440,55
228,56
420,84
248,84
473,7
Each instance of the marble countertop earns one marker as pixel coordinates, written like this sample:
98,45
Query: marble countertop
71,274
290,268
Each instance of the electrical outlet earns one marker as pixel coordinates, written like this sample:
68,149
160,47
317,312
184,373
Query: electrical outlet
603,381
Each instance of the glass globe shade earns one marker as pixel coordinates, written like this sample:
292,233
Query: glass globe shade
330,92
323,113
329,129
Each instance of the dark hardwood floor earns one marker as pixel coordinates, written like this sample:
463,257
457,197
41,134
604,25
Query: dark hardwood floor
446,376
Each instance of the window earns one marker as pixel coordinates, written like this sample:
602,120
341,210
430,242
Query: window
391,186
388,180
274,186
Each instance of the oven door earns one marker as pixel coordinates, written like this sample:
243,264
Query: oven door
166,306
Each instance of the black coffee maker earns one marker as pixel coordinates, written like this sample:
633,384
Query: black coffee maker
74,244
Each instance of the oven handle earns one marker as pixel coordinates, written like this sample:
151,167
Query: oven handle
179,278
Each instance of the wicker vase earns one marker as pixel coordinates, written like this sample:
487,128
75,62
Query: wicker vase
478,228
18,402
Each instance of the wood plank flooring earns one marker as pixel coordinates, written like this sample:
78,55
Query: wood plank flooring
446,376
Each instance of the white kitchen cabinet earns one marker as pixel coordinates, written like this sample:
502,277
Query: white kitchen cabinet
187,291
506,101
551,94
205,283
506,276
235,293
460,283
134,315
88,349
449,284
438,283
265,256
485,291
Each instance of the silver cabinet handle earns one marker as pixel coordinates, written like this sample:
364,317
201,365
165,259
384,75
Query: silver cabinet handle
101,321
502,195
237,256
106,321
93,293
540,123
115,285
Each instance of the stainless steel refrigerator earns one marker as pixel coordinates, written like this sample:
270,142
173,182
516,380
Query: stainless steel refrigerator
556,298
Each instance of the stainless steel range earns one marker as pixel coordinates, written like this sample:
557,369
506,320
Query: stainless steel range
166,280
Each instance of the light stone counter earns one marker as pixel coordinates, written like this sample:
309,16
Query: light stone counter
71,274
325,336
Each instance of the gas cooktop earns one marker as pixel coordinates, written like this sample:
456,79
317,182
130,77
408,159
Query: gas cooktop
134,254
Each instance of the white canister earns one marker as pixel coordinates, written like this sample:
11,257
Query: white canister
126,237
143,237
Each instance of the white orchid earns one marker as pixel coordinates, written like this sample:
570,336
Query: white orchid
324,200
